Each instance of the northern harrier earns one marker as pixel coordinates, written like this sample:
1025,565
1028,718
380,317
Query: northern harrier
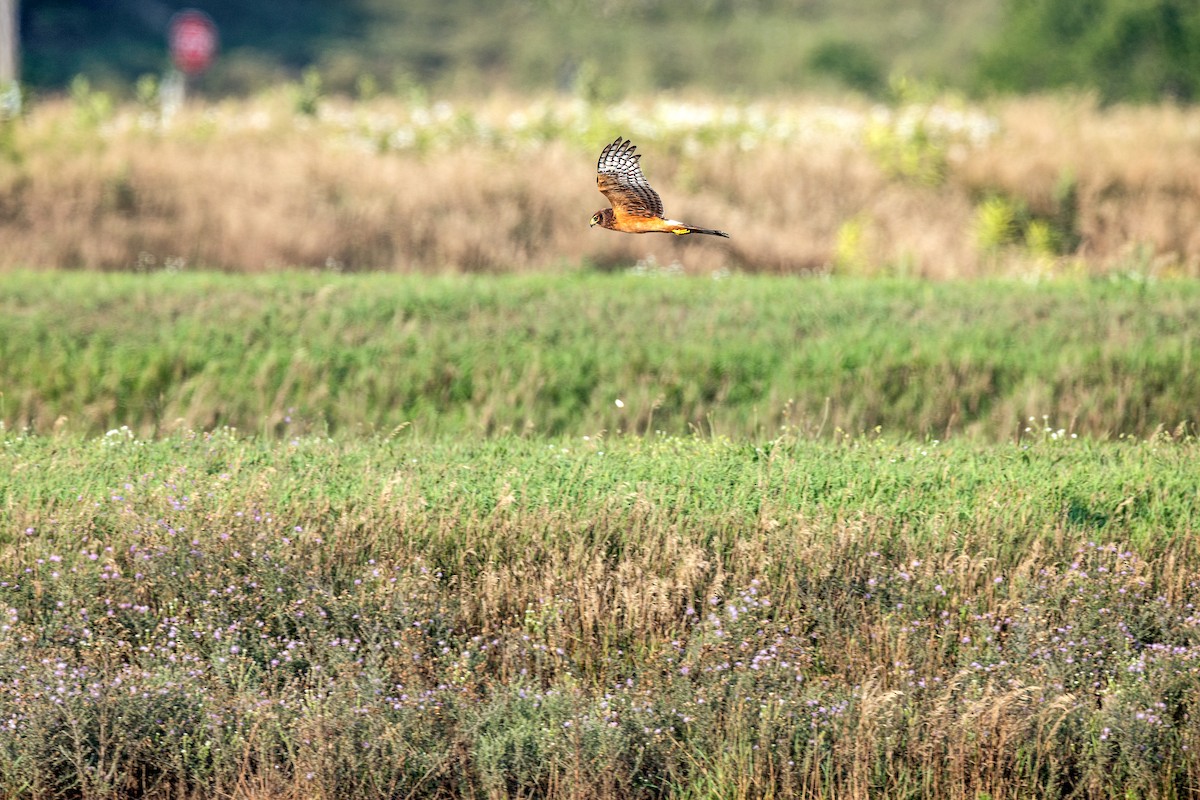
636,208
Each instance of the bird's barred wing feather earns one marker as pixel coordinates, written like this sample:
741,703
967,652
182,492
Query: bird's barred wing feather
620,179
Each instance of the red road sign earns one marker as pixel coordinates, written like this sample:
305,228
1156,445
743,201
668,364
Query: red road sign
193,39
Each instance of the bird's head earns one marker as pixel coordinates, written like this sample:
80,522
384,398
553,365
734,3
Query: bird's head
602,218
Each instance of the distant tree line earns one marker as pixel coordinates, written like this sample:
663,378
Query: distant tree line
1124,50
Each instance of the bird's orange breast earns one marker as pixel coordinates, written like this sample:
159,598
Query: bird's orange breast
635,224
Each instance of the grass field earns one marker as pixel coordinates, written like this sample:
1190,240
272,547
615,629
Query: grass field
210,615
550,355
339,459
840,538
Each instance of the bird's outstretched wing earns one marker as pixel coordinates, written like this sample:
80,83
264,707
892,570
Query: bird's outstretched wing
620,179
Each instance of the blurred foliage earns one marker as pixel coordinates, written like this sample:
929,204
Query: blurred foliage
851,63
1124,49
91,107
1002,220
850,256
306,97
996,222
911,145
465,46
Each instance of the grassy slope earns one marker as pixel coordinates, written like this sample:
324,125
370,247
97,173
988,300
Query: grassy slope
552,354
625,617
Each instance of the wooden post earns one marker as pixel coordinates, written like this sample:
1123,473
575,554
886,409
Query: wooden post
10,43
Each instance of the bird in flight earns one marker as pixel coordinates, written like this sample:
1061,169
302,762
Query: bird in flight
636,208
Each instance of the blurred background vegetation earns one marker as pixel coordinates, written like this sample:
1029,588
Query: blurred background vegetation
604,49
924,138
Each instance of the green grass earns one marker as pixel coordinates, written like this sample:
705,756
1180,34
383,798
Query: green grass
209,614
551,355
441,560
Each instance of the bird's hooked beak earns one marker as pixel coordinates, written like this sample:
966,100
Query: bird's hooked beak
594,221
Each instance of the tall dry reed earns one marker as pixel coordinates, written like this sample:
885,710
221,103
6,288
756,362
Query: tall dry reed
508,185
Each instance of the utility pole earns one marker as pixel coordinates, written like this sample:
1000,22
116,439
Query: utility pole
10,44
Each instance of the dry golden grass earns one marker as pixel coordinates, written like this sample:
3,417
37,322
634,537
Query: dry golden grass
1136,169
253,186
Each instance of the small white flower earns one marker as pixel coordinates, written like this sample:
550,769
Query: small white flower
620,403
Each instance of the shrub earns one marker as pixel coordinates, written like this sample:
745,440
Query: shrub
1124,49
849,62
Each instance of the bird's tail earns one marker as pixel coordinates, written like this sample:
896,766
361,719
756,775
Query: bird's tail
686,229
